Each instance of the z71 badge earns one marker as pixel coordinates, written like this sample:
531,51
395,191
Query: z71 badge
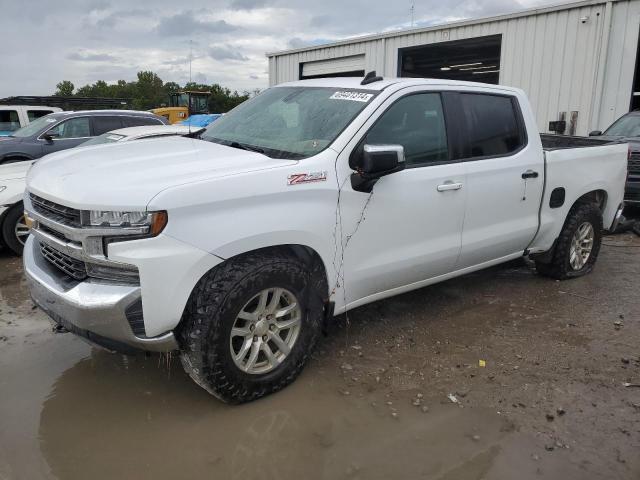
298,178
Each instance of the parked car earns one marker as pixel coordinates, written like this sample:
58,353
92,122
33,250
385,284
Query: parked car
59,131
13,230
139,133
311,199
627,129
14,117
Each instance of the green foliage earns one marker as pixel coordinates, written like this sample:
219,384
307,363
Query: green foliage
64,88
149,91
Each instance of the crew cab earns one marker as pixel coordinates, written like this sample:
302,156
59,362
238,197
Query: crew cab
308,200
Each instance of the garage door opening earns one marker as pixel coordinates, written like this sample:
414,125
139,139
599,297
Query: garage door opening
351,66
635,93
474,59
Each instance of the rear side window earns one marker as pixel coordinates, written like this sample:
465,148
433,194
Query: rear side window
140,121
417,123
9,121
105,124
33,114
493,126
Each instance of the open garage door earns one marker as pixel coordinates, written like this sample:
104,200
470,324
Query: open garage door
352,66
474,59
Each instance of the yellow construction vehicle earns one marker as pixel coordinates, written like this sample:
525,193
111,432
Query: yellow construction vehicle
184,104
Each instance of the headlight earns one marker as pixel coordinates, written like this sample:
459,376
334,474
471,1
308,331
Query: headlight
156,221
2,188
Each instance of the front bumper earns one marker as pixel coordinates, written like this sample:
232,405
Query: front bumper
92,309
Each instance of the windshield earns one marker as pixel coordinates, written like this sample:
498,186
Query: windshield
627,126
289,122
35,127
104,138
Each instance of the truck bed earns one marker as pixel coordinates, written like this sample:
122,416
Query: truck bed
557,142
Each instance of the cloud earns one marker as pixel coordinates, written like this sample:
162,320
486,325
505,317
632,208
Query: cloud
297,42
115,39
91,57
247,4
226,53
186,23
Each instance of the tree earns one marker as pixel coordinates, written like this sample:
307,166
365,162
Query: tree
64,88
149,91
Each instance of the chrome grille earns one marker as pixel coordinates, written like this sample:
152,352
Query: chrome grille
634,163
72,267
59,213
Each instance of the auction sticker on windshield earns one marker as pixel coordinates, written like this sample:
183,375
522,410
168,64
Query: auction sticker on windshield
353,96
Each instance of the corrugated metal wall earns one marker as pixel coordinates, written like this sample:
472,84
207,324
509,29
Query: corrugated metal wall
563,63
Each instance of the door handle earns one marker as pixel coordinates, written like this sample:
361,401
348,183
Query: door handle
529,174
449,186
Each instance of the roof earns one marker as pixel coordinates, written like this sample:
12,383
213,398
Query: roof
106,112
353,83
445,26
146,130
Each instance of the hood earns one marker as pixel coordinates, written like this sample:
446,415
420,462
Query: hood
128,175
13,171
9,141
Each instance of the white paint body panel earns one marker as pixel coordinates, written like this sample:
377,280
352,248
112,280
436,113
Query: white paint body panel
222,202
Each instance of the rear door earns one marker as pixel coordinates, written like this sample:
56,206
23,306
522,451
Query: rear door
104,124
505,177
409,228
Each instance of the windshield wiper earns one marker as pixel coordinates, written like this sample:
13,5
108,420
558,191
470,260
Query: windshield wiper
244,146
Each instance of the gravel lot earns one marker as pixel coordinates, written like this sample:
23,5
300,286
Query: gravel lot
396,390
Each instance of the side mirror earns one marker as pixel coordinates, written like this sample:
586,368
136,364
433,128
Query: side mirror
595,133
48,137
375,162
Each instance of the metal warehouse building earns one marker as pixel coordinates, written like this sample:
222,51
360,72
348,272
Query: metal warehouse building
578,62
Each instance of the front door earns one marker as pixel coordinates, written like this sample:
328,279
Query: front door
408,228
67,134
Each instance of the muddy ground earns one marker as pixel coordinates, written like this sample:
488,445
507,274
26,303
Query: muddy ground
374,401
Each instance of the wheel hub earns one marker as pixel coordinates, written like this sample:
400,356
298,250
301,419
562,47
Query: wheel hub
265,331
581,246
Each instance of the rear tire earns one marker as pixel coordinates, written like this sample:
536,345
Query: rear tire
223,303
577,246
14,229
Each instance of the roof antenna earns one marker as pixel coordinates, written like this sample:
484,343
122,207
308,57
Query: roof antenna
370,78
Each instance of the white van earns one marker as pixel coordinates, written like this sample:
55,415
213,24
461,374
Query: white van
13,117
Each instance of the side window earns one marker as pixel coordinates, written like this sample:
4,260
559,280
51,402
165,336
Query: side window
105,124
492,125
140,121
417,123
9,121
72,128
33,114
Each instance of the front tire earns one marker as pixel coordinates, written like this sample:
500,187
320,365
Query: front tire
577,246
14,229
250,325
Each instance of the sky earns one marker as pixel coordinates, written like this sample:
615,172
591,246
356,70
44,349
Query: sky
45,42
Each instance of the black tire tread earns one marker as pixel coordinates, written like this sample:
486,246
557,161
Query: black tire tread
8,233
559,268
197,332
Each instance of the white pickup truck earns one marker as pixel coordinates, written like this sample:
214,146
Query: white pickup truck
306,201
